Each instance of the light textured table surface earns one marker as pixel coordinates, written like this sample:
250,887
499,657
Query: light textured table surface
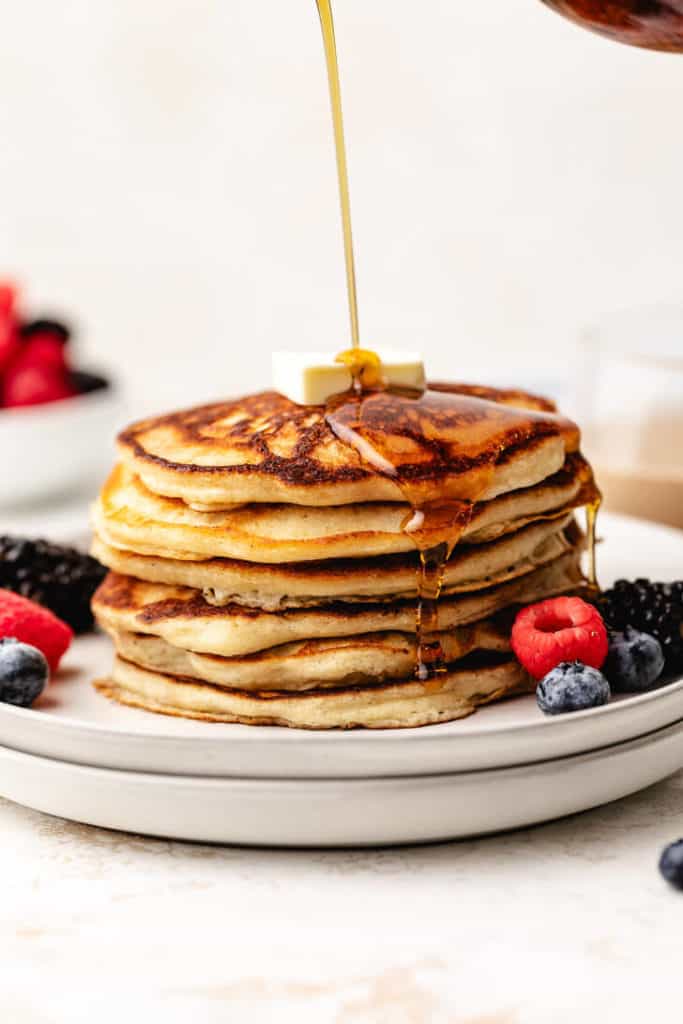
564,922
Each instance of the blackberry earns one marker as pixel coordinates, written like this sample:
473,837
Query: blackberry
60,578
654,608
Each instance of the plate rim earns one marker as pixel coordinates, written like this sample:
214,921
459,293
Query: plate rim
357,736
216,782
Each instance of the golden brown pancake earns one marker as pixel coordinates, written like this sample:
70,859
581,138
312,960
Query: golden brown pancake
312,664
298,584
456,441
129,516
184,619
264,569
384,706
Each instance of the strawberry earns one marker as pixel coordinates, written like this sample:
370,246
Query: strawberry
558,630
32,624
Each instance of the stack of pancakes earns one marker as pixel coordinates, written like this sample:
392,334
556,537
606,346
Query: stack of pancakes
261,572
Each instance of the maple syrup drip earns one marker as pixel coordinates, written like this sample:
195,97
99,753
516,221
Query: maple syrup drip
449,520
392,431
329,42
430,659
592,509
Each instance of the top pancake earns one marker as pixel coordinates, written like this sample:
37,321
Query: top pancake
456,441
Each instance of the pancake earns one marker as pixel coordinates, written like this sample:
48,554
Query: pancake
384,706
311,664
298,584
455,441
184,619
129,516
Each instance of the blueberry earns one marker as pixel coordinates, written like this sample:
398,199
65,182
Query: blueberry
23,673
572,686
671,864
635,661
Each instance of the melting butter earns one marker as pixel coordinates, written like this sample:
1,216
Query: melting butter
312,378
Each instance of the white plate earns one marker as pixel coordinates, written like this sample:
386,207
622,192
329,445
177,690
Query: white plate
74,723
339,812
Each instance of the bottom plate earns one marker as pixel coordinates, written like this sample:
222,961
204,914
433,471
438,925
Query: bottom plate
343,812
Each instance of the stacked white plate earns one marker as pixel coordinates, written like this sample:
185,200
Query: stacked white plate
79,756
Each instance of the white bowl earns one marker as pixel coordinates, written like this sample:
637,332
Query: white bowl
54,448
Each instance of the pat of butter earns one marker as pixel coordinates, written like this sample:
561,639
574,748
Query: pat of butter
310,378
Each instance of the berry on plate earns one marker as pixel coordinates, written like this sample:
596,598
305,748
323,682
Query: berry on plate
572,686
671,864
634,662
58,577
558,630
24,672
654,608
32,624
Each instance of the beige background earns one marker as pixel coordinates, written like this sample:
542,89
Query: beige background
166,173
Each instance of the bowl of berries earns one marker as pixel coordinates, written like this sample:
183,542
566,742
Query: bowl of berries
56,419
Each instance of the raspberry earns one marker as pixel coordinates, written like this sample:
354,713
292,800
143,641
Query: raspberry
34,625
35,385
560,629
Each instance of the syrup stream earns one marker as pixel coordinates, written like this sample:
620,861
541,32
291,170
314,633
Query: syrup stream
329,42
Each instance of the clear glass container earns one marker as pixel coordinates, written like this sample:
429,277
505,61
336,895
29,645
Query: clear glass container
630,406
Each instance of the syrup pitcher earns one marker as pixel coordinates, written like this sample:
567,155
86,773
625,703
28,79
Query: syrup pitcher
653,24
